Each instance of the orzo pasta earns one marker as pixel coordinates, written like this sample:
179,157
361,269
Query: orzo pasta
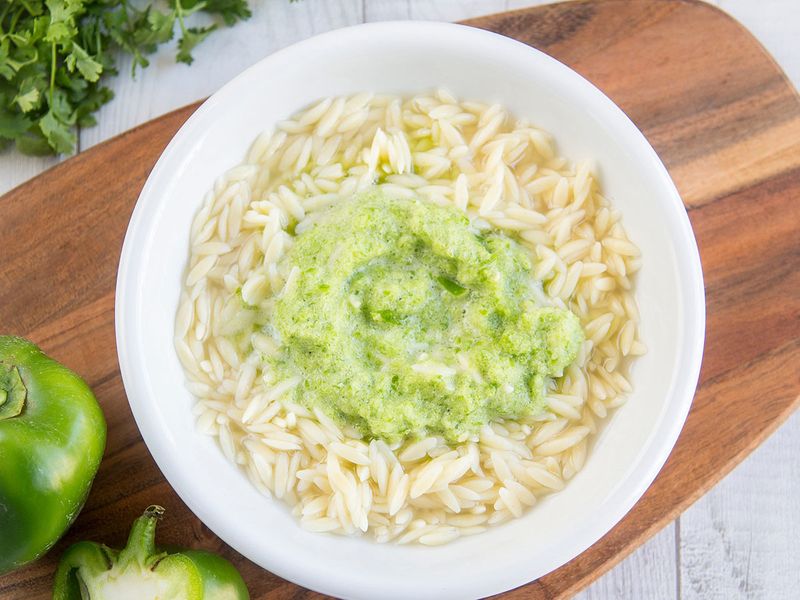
505,174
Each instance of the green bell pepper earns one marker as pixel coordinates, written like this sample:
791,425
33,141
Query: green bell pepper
52,437
90,571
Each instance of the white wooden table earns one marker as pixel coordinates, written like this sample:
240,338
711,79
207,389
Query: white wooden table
742,540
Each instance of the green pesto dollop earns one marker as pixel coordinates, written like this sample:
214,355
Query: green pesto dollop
404,322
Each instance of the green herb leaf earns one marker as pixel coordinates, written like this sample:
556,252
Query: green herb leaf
86,65
230,10
451,286
189,41
161,26
12,125
33,143
62,19
388,316
6,71
58,133
56,54
28,97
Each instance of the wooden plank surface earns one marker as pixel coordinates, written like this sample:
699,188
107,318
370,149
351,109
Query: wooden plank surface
719,122
721,556
650,573
741,539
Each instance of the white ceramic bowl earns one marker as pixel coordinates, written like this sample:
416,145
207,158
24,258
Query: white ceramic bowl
411,58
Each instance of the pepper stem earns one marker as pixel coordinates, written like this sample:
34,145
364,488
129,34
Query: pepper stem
141,542
12,392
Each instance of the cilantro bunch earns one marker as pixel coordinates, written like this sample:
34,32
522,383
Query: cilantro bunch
54,55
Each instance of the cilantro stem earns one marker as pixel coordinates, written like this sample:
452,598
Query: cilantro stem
27,6
179,12
3,17
14,20
52,73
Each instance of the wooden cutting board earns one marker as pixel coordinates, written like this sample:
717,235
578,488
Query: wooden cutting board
719,112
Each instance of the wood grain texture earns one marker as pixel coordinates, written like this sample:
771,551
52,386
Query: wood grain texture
708,109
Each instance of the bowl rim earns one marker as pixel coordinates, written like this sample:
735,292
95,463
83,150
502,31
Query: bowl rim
659,444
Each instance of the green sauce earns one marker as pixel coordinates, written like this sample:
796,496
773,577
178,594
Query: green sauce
404,321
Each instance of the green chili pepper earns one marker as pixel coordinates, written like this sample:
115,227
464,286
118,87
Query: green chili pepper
52,436
90,571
